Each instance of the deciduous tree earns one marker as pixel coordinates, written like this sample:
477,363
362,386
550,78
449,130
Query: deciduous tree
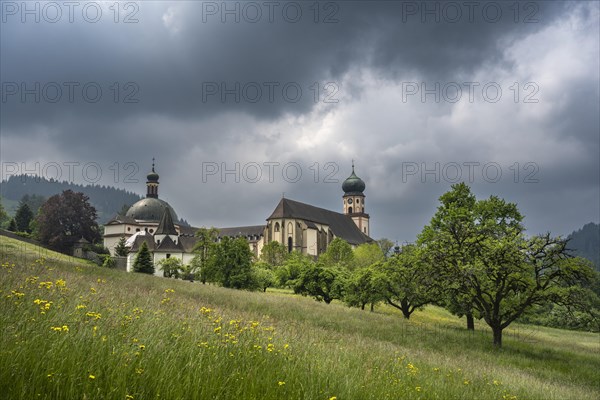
339,254
405,282
65,218
232,264
203,250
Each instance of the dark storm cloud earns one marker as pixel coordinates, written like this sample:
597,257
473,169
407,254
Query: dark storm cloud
166,62
173,68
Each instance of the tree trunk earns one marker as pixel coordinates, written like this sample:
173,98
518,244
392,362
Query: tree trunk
372,307
406,313
497,336
470,322
362,307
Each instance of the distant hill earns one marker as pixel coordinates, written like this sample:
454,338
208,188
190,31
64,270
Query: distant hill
107,200
586,243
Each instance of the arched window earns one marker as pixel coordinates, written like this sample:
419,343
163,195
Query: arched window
290,243
350,210
276,226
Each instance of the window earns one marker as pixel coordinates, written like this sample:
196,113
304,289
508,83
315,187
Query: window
365,229
357,201
128,228
168,256
350,210
290,243
137,229
151,230
277,227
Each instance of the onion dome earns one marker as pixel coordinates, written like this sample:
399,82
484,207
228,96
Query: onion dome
353,184
152,176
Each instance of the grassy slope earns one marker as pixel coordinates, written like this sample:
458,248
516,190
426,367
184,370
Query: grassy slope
146,337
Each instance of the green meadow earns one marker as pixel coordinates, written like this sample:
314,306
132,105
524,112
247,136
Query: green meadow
72,330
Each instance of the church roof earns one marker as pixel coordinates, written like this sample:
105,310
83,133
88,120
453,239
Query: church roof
135,247
238,231
166,226
342,225
150,209
120,219
167,244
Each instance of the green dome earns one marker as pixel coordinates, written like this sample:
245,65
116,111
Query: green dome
150,209
353,184
152,176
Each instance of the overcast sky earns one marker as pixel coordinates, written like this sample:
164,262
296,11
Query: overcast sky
282,96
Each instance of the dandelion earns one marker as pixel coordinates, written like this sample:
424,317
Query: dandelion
81,306
333,398
497,383
60,283
142,347
217,330
466,382
15,293
169,291
128,397
418,388
92,377
93,315
205,310
281,383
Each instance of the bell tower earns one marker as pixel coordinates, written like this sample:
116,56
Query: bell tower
354,201
152,183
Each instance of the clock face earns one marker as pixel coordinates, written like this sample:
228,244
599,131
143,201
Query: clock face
349,201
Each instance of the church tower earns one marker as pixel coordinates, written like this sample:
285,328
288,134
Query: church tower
354,201
152,183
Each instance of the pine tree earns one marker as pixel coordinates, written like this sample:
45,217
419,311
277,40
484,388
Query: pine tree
12,226
143,261
23,218
120,249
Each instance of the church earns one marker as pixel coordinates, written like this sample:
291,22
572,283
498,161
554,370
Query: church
298,226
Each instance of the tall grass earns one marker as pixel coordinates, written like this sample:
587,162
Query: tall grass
71,330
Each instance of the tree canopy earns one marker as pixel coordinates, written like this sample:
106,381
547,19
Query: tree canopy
488,266
65,218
